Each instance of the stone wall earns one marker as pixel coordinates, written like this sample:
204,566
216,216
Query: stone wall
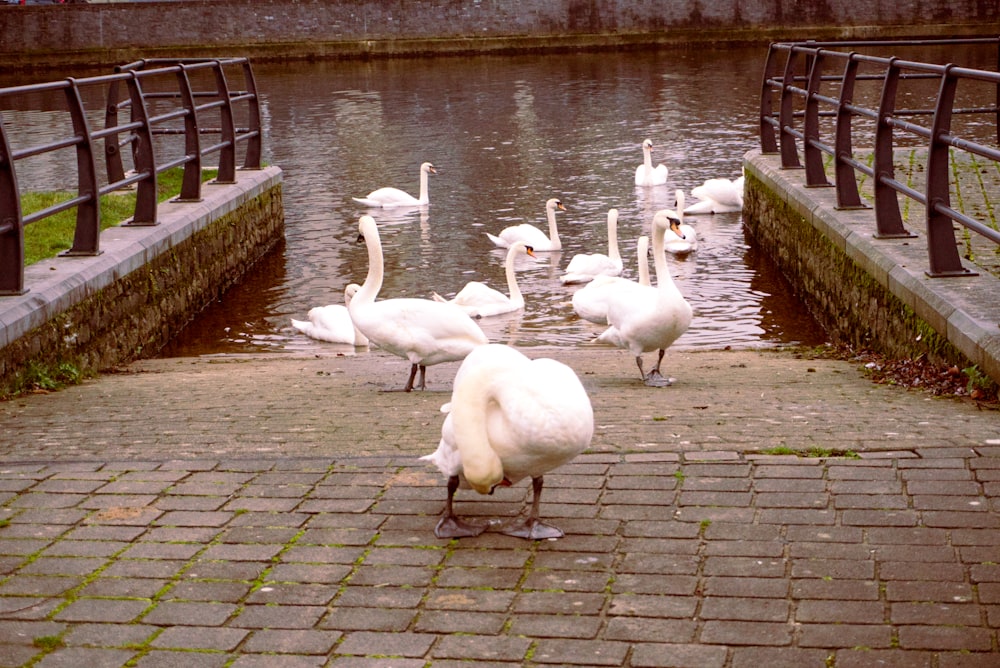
113,33
185,265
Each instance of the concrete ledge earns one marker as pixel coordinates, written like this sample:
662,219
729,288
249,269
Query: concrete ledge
961,313
148,282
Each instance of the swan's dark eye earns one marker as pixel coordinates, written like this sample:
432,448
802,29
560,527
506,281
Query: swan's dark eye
360,238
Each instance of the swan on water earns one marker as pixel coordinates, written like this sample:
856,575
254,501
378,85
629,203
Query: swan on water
390,197
530,234
480,300
423,331
646,174
509,418
685,239
717,196
332,323
645,318
583,267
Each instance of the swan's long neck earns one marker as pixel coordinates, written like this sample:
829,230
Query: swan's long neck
512,288
647,158
550,212
423,185
373,281
680,204
470,401
664,281
642,250
613,251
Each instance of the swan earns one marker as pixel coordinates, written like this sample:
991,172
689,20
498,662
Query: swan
480,300
530,234
717,196
649,318
685,239
591,301
584,267
390,197
509,418
646,174
333,322
421,330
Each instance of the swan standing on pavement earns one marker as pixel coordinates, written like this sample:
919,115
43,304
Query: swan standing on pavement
332,323
583,267
480,300
390,197
509,418
646,174
422,331
530,234
717,196
685,239
644,319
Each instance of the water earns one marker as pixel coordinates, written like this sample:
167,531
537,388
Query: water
505,134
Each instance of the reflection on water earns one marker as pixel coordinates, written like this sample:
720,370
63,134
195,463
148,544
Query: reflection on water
505,134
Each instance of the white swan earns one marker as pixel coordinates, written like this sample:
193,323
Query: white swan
423,331
332,323
644,319
685,239
717,196
509,418
584,267
646,174
480,300
591,301
530,234
390,197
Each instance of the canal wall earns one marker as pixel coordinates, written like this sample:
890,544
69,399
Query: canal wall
872,294
90,314
102,34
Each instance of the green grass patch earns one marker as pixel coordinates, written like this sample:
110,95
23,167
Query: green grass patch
48,237
47,643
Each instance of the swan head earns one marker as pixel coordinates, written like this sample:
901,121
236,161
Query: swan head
647,144
350,291
428,167
679,200
554,204
366,225
668,219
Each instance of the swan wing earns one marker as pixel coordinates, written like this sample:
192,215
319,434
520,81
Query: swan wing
585,266
330,323
525,232
420,330
389,197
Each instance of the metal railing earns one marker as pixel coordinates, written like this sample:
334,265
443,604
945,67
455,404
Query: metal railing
818,86
155,93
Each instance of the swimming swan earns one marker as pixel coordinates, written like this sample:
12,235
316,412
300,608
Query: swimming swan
583,267
591,301
421,330
646,174
685,239
332,323
530,234
644,319
717,196
480,300
509,418
390,197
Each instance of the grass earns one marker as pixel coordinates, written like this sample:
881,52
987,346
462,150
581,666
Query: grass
50,236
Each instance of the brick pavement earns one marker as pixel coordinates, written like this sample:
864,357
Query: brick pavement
686,545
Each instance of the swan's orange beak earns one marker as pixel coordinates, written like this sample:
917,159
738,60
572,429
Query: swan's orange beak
530,251
559,205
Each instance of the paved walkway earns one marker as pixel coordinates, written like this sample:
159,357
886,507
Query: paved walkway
272,512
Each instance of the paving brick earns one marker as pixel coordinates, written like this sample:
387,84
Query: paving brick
268,641
840,612
747,609
554,626
278,616
735,633
940,614
190,613
639,630
102,610
840,635
453,621
777,657
72,657
197,637
580,652
945,638
170,658
661,655
480,648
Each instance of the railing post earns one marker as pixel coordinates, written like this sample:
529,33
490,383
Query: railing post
942,251
768,144
86,238
815,174
11,223
144,156
888,221
227,155
845,178
112,152
252,160
191,184
786,115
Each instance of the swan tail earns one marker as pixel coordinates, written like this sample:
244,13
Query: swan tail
367,202
302,325
497,240
438,298
568,279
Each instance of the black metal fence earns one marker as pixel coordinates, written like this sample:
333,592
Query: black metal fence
157,94
833,96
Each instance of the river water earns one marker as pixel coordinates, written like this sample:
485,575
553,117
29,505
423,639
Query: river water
505,134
